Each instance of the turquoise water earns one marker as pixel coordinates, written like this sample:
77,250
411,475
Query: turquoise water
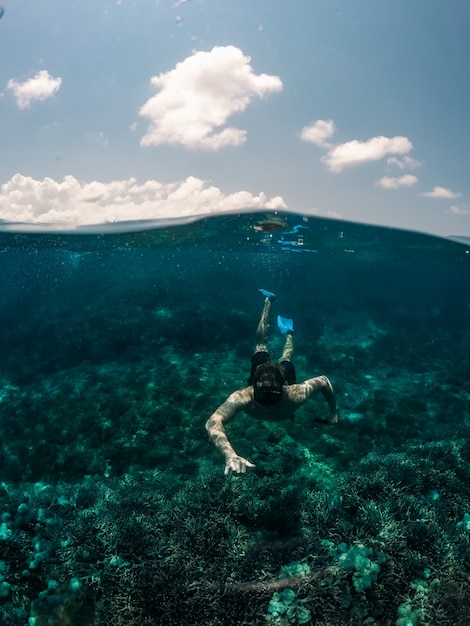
115,350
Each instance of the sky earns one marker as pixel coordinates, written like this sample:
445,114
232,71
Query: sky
123,110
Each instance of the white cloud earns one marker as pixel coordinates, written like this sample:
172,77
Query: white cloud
318,133
40,87
69,204
389,182
404,163
356,152
457,210
197,97
441,192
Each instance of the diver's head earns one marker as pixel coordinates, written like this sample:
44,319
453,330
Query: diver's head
268,380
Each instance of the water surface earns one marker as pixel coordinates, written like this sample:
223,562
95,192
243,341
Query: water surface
117,347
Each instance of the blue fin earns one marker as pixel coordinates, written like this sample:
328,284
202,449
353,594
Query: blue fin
285,325
267,294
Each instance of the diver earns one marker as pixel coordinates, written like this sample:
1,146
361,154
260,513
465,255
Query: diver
273,393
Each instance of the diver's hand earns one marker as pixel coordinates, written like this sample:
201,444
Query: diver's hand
334,417
237,464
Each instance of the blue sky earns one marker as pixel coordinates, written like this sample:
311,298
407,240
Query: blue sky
141,109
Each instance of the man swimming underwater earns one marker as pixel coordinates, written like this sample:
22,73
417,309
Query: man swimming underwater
273,393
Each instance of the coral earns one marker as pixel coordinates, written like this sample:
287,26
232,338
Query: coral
285,608
357,561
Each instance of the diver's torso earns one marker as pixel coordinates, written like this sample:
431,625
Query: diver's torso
275,412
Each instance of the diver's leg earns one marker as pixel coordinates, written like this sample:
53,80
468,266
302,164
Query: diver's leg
263,327
261,354
285,362
288,348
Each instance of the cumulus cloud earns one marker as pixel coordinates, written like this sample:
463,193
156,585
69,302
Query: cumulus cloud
390,182
441,192
70,203
318,133
356,152
40,87
196,99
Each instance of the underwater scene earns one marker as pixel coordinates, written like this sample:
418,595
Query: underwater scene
116,507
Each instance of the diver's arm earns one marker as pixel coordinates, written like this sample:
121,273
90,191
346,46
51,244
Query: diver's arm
216,431
322,383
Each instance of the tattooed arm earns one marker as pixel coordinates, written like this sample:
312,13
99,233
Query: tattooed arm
215,428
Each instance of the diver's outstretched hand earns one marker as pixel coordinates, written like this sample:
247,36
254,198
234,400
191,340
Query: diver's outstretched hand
334,417
237,464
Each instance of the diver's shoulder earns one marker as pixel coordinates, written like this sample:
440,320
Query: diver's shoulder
243,395
296,392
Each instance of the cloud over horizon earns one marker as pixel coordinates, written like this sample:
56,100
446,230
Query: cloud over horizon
458,210
390,182
355,152
197,97
40,87
441,192
70,203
